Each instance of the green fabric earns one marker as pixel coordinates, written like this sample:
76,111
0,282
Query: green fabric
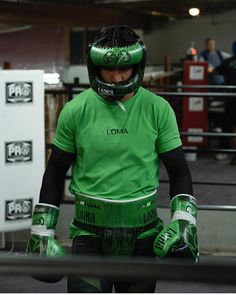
151,232
116,56
118,224
117,150
115,221
75,231
116,214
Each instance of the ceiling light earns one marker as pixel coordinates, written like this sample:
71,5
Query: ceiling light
155,13
194,11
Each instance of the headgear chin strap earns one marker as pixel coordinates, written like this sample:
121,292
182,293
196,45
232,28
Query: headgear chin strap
100,55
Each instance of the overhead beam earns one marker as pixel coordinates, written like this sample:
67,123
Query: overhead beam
120,1
67,15
170,7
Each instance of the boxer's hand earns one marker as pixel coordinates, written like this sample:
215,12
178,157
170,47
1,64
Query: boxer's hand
42,240
179,238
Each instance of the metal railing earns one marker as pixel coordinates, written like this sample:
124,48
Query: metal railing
202,94
181,87
209,269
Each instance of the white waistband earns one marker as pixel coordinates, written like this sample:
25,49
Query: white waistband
117,201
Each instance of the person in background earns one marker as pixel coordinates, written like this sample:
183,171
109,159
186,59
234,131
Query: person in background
228,69
114,134
215,57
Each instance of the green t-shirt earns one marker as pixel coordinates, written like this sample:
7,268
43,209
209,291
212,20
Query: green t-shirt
117,146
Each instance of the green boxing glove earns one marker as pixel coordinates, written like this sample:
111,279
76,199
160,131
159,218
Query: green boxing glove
42,240
179,238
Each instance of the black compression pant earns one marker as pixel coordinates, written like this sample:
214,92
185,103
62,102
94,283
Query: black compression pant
87,245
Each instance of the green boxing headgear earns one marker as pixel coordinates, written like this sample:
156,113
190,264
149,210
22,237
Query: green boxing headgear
116,56
116,47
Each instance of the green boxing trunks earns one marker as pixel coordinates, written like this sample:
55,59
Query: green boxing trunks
117,222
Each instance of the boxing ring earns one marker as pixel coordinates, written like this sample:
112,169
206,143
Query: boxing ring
215,269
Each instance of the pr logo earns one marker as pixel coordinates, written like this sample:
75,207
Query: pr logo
18,209
19,92
18,151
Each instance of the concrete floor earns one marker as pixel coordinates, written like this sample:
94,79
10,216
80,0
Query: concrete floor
206,169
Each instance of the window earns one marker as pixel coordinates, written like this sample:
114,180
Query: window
79,40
